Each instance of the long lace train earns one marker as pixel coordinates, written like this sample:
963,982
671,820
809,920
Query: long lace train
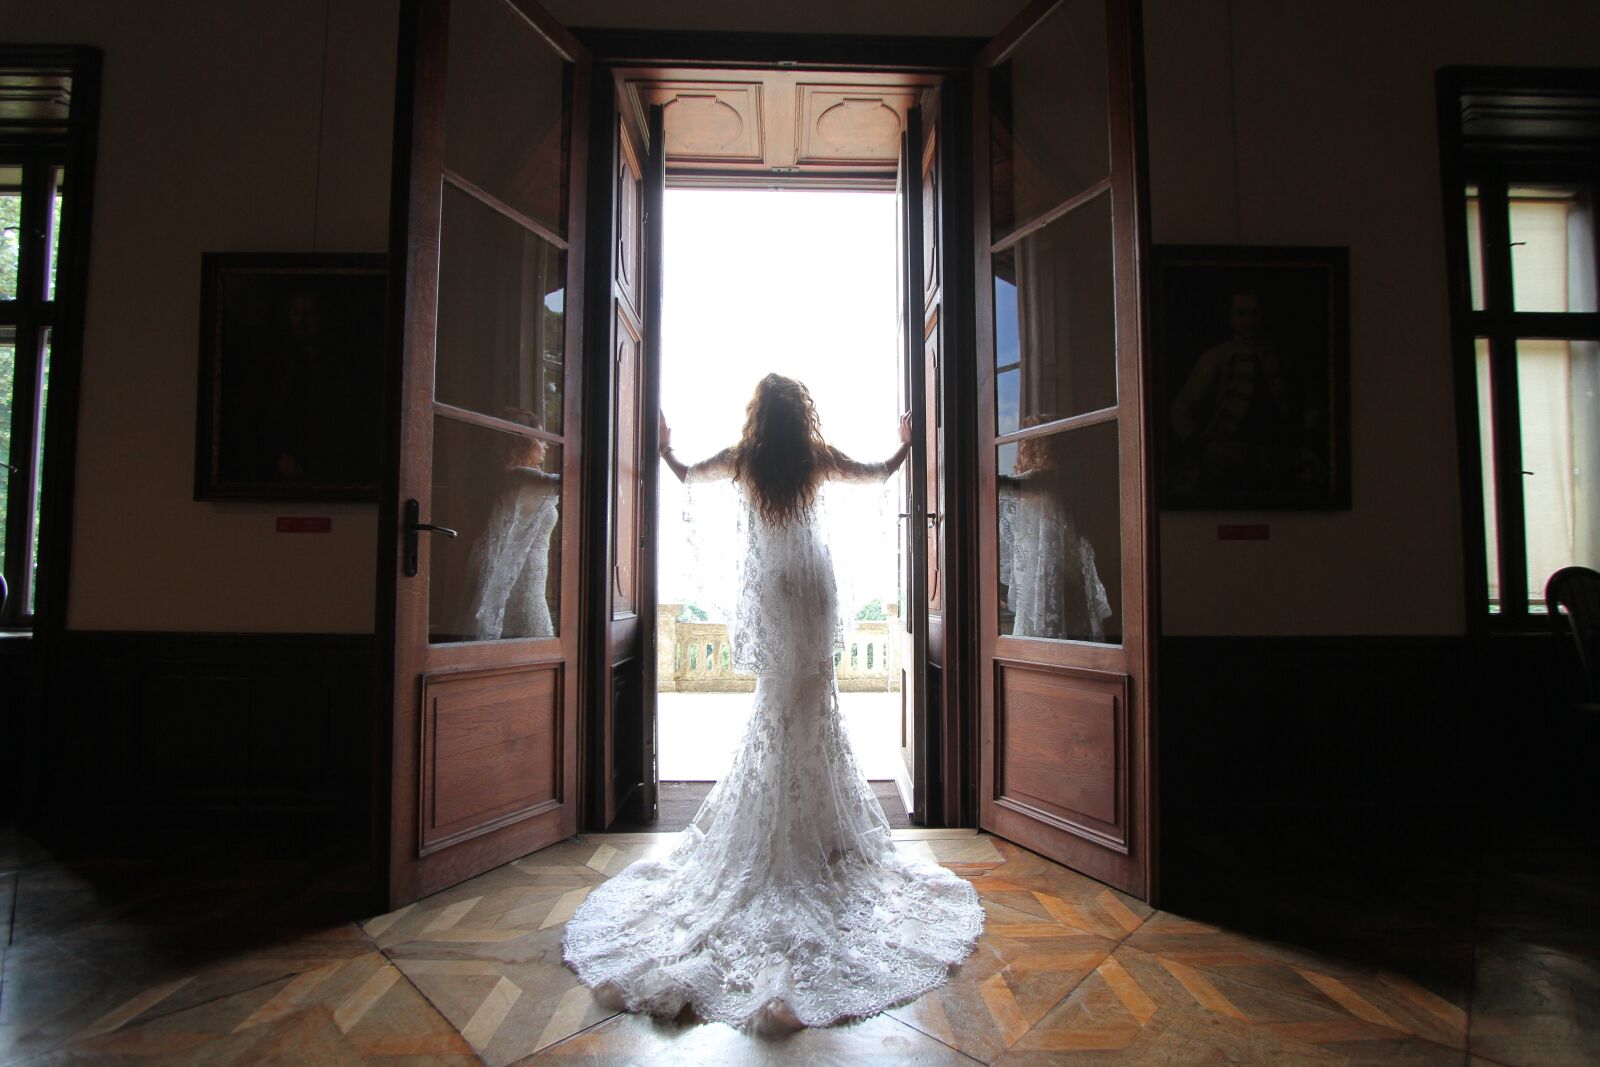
786,895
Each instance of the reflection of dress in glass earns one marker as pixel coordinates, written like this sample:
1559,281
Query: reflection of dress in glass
511,560
1053,587
786,896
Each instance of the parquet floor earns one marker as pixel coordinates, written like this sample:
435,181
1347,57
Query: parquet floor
223,955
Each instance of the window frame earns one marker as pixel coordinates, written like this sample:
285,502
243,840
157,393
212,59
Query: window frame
1497,155
39,146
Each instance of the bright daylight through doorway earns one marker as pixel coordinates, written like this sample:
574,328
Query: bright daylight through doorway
802,284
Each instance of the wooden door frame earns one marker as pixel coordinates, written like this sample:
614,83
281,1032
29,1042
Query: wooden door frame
952,791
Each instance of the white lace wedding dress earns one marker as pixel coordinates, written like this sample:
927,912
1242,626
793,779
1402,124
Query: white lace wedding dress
785,899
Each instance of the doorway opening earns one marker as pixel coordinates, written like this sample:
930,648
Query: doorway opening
801,283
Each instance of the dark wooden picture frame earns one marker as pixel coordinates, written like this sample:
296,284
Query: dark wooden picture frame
1252,371
291,349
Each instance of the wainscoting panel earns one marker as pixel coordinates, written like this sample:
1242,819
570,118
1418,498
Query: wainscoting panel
164,727
490,750
1307,750
1061,749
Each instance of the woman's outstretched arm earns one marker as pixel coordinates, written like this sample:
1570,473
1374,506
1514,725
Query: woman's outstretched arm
852,470
718,466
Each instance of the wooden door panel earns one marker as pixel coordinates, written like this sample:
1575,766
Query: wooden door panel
630,218
1061,748
491,749
625,415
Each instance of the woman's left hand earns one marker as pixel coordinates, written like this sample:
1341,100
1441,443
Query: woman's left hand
905,428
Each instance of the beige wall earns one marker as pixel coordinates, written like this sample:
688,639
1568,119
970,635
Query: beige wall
1308,122
217,134
1270,122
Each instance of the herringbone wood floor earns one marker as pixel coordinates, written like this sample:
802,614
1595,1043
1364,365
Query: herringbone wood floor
223,955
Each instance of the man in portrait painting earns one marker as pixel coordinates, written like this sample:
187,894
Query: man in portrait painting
296,381
1238,424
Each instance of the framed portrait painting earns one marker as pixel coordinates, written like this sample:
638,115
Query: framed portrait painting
1251,352
291,350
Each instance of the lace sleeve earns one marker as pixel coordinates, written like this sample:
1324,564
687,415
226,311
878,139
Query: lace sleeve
853,470
716,468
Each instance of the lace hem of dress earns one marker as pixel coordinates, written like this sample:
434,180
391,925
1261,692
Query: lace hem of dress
737,975
786,896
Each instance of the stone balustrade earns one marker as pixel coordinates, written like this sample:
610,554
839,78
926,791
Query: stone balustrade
697,657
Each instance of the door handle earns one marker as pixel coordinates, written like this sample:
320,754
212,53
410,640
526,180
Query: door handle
414,526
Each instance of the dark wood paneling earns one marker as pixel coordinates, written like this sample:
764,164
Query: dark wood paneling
1061,746
1313,747
19,718
163,727
490,749
1323,761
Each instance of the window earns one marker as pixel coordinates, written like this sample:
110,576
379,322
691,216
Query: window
1522,170
48,100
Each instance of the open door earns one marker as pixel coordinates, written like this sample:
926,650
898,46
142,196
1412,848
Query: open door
479,604
624,385
942,466
912,634
1064,514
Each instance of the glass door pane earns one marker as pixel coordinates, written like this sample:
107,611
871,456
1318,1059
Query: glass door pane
1055,320
8,378
501,332
1491,512
500,577
1048,135
1475,247
38,469
502,329
1558,391
1552,247
1059,518
505,120
10,230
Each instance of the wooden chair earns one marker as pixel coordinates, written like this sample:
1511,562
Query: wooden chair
1573,597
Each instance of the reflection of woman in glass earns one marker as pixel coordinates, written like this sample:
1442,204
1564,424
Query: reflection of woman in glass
1053,588
511,560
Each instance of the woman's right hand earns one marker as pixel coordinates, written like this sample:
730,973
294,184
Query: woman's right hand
665,442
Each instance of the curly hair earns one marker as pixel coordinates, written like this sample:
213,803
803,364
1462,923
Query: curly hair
781,455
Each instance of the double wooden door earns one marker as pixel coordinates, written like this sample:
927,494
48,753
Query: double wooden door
517,517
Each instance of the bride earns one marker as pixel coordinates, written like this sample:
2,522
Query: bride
784,901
